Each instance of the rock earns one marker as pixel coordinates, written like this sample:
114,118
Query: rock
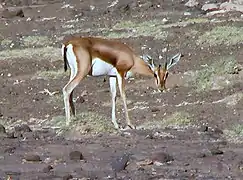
75,155
161,157
218,131
192,3
30,135
230,6
32,157
216,151
22,128
67,177
80,100
120,163
18,134
210,7
2,129
47,169
154,109
200,155
203,128
10,135
10,150
11,13
187,14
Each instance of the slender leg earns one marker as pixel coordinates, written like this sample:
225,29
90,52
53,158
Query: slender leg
71,104
79,61
113,101
121,81
67,97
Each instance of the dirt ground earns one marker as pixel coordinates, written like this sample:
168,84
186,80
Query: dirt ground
191,131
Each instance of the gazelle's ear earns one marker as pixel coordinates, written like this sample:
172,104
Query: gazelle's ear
148,59
174,60
165,66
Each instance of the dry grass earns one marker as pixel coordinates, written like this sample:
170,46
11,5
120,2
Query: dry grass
43,53
227,35
214,76
234,134
51,74
84,123
177,119
125,29
35,41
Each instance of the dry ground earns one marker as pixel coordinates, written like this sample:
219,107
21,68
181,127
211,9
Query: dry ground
197,122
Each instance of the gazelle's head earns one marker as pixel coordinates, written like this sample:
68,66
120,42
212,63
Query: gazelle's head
161,72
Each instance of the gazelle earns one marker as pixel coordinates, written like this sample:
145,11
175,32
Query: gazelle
98,57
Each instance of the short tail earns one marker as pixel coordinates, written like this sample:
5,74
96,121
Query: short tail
65,58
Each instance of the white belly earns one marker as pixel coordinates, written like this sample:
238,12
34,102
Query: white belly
100,68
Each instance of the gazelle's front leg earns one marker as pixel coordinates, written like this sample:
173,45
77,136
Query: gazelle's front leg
113,101
121,84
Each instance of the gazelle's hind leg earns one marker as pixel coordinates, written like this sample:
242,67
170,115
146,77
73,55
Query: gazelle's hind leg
79,62
121,84
113,101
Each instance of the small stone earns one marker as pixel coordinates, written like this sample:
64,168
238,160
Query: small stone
12,13
210,7
203,128
10,135
18,134
76,155
192,3
218,131
120,163
10,150
47,169
80,100
161,157
22,128
32,157
2,129
155,109
200,155
187,14
67,177
216,151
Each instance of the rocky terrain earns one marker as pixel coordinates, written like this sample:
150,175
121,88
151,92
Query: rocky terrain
194,130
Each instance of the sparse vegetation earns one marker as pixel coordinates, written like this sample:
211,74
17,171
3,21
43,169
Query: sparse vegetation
35,41
208,77
47,53
6,43
136,29
197,20
56,100
51,74
234,134
86,122
177,119
227,35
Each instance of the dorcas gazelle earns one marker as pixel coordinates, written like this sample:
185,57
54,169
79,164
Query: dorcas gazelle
98,57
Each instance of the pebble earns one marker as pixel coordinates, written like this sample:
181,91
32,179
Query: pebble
120,163
22,128
32,157
47,169
76,155
161,157
216,151
2,129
